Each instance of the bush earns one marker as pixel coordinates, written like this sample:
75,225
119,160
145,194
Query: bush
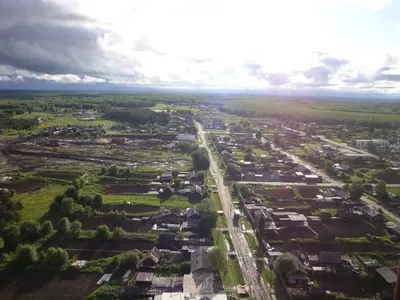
26,255
113,265
11,237
56,256
97,201
129,260
72,192
113,170
76,228
118,233
30,230
67,206
103,171
201,175
103,232
47,228
84,200
64,225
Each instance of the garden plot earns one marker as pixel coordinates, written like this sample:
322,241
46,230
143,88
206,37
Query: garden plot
112,222
47,285
24,185
353,229
68,176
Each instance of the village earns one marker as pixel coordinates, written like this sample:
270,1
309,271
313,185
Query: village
199,207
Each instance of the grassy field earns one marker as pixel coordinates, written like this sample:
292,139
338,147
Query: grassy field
173,107
174,201
36,204
231,275
395,191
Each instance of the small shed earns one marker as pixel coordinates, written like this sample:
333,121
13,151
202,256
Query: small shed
144,278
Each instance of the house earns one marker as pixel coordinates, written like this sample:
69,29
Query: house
297,276
312,178
144,278
196,193
376,142
395,230
393,199
166,191
386,280
192,218
166,176
199,260
372,214
330,258
166,216
151,258
264,221
186,137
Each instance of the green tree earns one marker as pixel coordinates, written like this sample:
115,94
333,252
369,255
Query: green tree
103,232
371,147
56,256
64,225
118,233
103,171
346,187
208,216
127,172
258,135
113,265
67,206
201,160
356,190
26,254
77,184
201,175
84,200
10,209
329,167
11,237
97,201
177,184
232,170
72,192
285,263
129,260
380,189
76,228
217,258
113,170
47,228
30,230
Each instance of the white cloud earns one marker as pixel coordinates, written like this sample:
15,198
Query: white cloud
397,26
89,79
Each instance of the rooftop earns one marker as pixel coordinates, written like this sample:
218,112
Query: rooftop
387,274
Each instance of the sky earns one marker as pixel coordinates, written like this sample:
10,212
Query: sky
332,45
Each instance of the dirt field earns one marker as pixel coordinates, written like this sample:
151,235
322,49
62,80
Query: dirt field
279,193
24,185
46,285
348,286
309,192
343,229
111,222
58,175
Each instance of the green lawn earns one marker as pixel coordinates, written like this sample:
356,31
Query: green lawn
36,204
174,201
395,191
231,275
251,241
258,152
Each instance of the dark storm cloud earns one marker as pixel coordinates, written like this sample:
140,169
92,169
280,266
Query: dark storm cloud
275,79
43,37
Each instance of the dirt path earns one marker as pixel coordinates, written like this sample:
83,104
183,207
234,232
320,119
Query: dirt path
246,260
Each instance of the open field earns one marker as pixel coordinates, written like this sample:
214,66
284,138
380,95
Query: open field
37,203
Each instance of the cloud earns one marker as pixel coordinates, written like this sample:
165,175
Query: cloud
397,26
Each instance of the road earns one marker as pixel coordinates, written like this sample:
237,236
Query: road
251,275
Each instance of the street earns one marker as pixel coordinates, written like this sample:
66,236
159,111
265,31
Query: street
251,275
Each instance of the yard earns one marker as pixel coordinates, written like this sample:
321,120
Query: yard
37,203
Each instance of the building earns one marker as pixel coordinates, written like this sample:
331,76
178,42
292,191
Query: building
196,193
144,278
166,176
386,280
199,260
151,258
330,258
298,275
192,218
186,137
378,142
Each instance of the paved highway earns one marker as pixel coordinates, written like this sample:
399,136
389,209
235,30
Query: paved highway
251,275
